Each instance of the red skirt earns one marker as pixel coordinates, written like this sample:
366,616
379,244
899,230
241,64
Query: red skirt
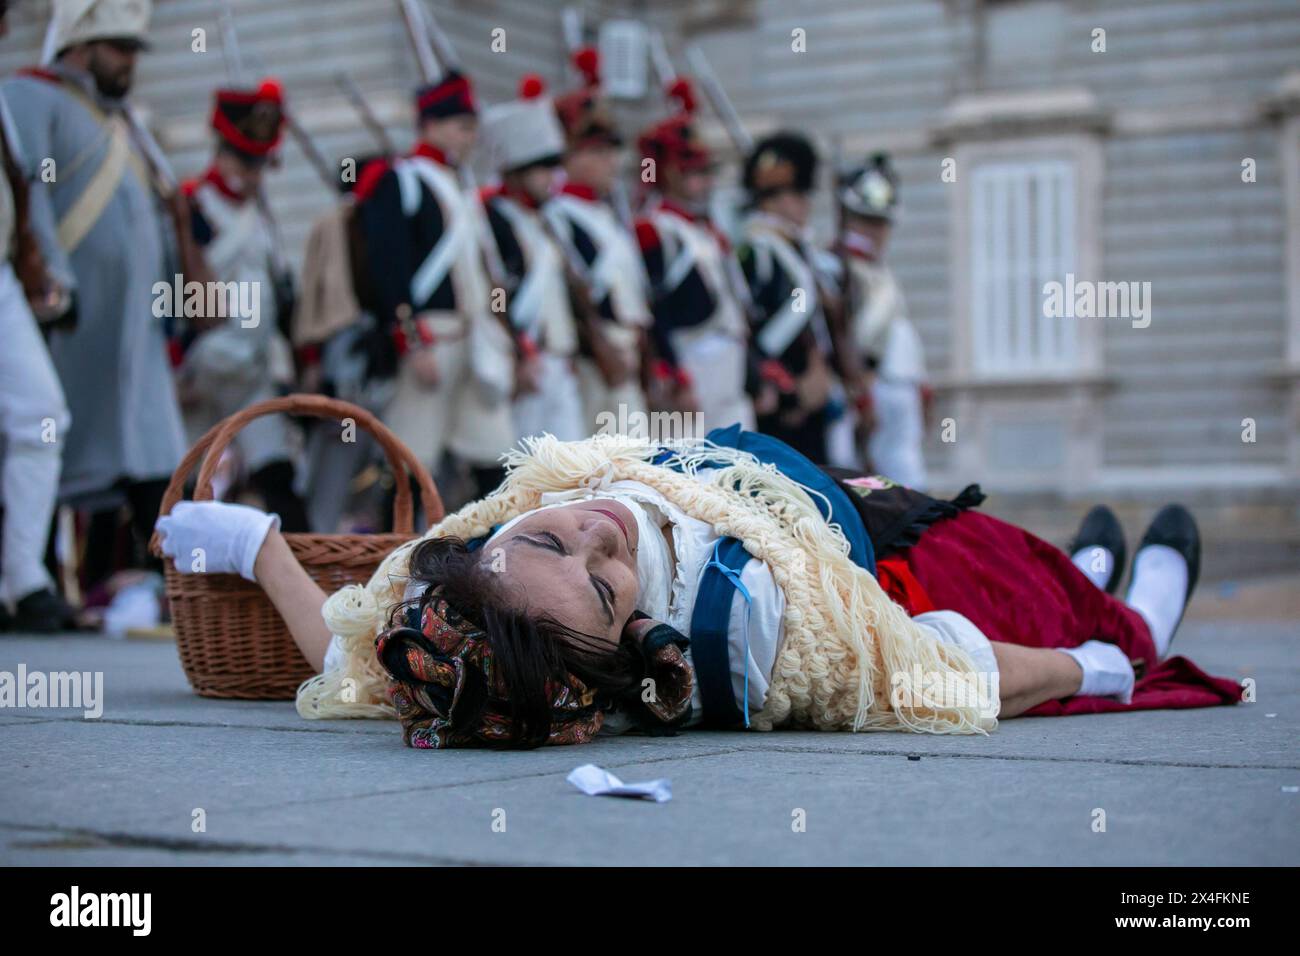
1019,589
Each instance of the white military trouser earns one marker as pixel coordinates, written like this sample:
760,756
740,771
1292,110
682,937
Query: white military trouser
625,401
716,363
895,443
455,414
556,406
33,420
263,440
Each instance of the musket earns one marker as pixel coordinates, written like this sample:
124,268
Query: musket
314,156
418,33
230,44
732,276
192,262
281,271
443,48
230,53
659,57
740,139
51,38
159,167
587,312
719,100
571,25
424,33
365,113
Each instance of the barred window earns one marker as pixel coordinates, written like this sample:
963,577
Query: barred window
1023,235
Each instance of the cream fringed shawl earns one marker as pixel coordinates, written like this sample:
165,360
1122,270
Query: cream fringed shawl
851,659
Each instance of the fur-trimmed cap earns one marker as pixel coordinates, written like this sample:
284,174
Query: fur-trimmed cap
525,131
584,113
453,95
780,162
675,141
252,121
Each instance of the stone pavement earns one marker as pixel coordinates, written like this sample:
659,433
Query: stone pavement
1202,787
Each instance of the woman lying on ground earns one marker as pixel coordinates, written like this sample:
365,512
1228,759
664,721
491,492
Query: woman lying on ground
611,584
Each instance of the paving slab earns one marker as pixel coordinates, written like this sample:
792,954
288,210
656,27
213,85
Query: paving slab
1200,787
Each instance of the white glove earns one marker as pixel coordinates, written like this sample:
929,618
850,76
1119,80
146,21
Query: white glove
225,537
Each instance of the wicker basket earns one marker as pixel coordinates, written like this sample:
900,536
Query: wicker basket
232,641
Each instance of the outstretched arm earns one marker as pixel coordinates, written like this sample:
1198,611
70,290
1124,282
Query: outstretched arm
1022,677
213,537
296,596
1028,676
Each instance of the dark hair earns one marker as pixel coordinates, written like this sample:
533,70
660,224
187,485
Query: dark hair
527,651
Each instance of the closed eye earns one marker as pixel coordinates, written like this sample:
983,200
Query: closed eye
606,595
604,592
544,539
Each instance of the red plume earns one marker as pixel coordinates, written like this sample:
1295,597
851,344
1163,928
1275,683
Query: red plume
681,90
587,62
531,86
270,89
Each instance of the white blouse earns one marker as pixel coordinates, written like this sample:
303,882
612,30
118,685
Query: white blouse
756,627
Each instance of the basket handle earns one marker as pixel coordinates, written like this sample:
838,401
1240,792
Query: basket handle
400,458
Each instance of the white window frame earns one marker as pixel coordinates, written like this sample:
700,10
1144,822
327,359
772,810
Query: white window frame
1010,331
1082,153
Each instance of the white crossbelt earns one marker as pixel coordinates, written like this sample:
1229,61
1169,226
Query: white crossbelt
786,324
458,228
543,264
613,262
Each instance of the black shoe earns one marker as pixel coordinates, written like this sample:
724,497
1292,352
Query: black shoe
1101,529
42,612
1174,527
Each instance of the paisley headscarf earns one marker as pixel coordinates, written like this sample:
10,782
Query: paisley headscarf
447,693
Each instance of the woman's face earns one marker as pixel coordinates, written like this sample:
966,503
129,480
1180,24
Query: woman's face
575,564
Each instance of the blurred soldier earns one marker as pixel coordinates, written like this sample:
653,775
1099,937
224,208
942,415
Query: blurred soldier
525,142
790,339
241,358
699,330
614,311
95,207
451,357
33,415
332,320
885,337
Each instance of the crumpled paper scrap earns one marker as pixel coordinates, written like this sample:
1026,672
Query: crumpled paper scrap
595,782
